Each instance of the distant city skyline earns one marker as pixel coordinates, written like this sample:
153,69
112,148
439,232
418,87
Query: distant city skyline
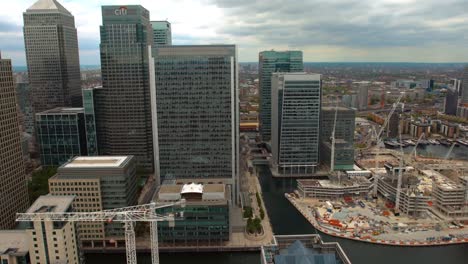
338,31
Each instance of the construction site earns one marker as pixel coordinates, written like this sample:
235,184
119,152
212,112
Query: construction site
406,199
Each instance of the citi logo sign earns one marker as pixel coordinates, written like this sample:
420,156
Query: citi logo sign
121,11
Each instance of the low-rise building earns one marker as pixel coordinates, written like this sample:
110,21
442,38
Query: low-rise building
417,128
449,129
61,135
99,183
52,242
449,196
205,215
413,199
335,187
286,249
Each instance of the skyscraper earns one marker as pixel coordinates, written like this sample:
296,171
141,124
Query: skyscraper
450,102
89,105
363,95
23,94
13,193
296,99
270,62
464,93
52,56
197,112
161,32
123,112
344,136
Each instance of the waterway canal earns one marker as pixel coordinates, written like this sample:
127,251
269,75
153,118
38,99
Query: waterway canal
286,220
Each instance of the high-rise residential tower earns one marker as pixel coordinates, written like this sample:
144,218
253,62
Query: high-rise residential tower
161,32
270,62
13,193
197,112
123,112
52,56
295,126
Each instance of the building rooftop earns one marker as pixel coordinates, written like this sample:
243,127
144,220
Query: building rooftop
442,182
13,242
334,183
340,108
209,192
47,6
51,203
63,110
192,188
96,162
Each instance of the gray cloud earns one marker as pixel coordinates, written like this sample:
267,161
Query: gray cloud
347,23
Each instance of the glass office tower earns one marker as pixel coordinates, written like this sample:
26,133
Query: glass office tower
51,45
197,112
123,111
270,62
89,95
296,99
161,32
61,135
344,136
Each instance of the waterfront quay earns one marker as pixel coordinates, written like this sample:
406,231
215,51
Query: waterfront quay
421,234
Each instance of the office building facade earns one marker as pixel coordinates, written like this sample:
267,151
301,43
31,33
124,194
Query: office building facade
295,114
14,192
51,45
363,96
162,34
52,242
123,108
99,183
205,215
464,90
344,136
451,102
270,62
23,93
197,112
61,135
89,106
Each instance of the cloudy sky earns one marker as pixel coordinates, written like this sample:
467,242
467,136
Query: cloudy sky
326,30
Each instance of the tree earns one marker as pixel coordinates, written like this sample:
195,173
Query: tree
259,200
248,213
262,213
39,184
257,223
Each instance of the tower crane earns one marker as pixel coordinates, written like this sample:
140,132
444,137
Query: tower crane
447,156
379,141
400,172
126,215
